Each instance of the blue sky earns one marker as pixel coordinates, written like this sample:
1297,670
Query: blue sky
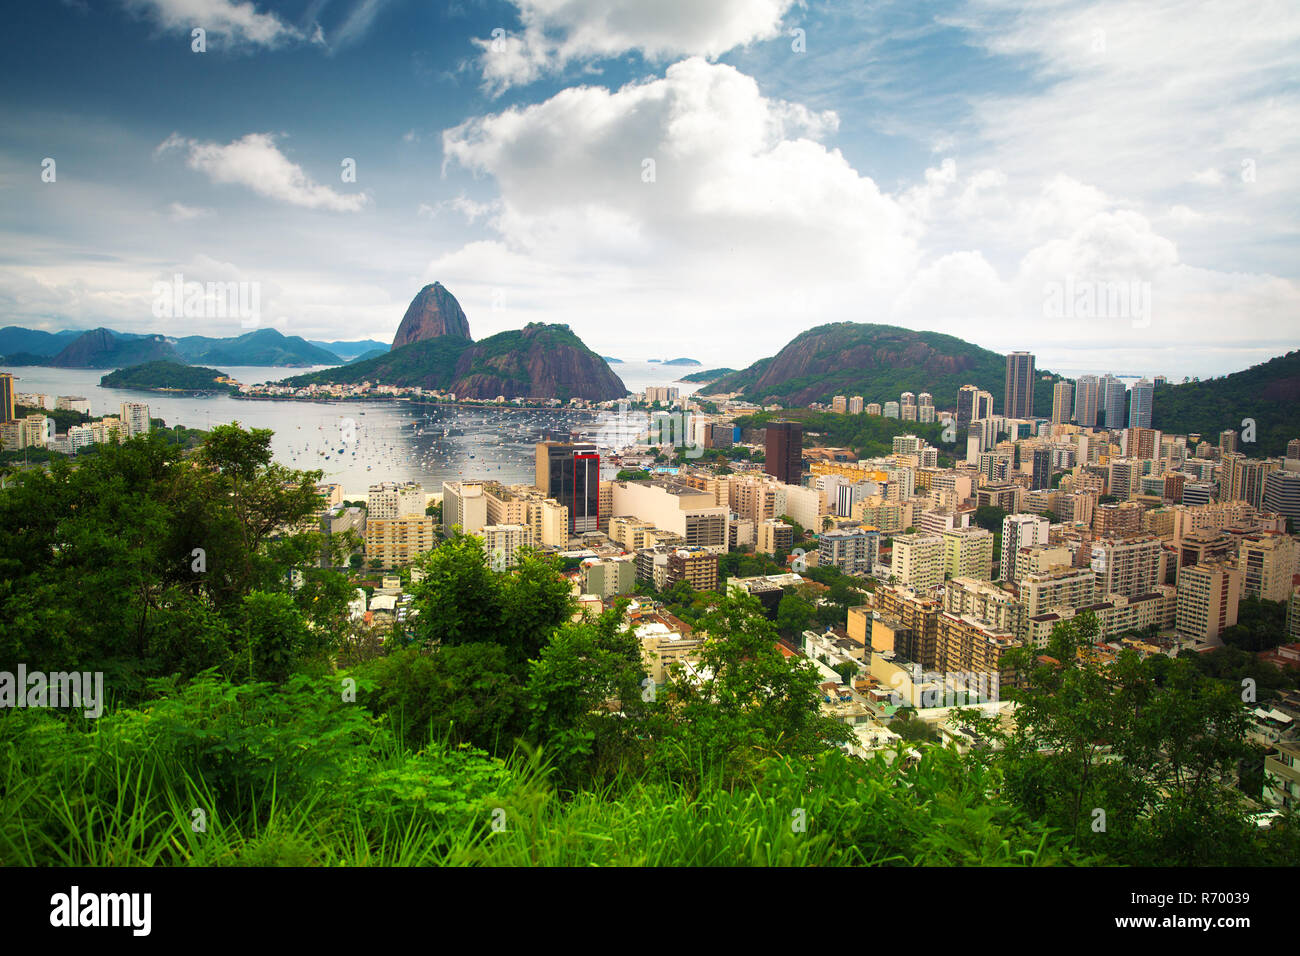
945,166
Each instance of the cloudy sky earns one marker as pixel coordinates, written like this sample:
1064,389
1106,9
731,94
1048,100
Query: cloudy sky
669,178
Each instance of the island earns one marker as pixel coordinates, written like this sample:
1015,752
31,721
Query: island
166,376
710,375
612,361
683,361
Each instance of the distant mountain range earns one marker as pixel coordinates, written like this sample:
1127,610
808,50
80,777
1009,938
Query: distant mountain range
105,348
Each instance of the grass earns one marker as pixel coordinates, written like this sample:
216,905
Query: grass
104,793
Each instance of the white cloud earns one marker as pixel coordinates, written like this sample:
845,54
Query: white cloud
558,32
255,162
238,23
179,212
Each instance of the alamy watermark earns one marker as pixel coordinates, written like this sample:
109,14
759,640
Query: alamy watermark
60,690
673,429
211,300
943,688
1086,299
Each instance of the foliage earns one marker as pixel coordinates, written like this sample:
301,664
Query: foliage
1136,760
169,376
1268,394
1261,625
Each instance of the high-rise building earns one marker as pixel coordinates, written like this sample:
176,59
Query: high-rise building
135,416
1293,448
1020,531
1112,398
696,566
855,405
1019,395
840,404
502,543
1208,595
1267,563
966,405
1128,566
918,560
1227,442
1041,474
396,542
784,451
1282,495
1140,404
6,397
1087,400
464,505
608,577
1242,479
569,472
1062,401
968,553
850,550
390,499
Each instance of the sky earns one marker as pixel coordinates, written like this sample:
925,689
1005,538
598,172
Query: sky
1110,185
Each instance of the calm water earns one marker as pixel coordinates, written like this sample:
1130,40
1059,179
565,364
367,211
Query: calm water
359,443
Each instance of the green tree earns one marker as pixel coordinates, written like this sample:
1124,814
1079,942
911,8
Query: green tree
748,699
275,635
460,600
463,693
1135,758
585,699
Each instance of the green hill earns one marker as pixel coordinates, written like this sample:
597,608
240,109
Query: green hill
877,362
537,361
166,376
710,375
1268,394
428,363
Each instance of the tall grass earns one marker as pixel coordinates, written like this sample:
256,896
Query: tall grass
278,787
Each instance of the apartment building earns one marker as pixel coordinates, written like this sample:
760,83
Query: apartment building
918,560
464,505
984,602
851,550
1128,566
1063,587
1020,531
608,577
698,567
503,542
392,499
1268,563
774,536
917,616
396,542
968,553
1208,595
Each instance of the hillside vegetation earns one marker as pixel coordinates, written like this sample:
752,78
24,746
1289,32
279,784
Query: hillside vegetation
878,362
1268,394
166,376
